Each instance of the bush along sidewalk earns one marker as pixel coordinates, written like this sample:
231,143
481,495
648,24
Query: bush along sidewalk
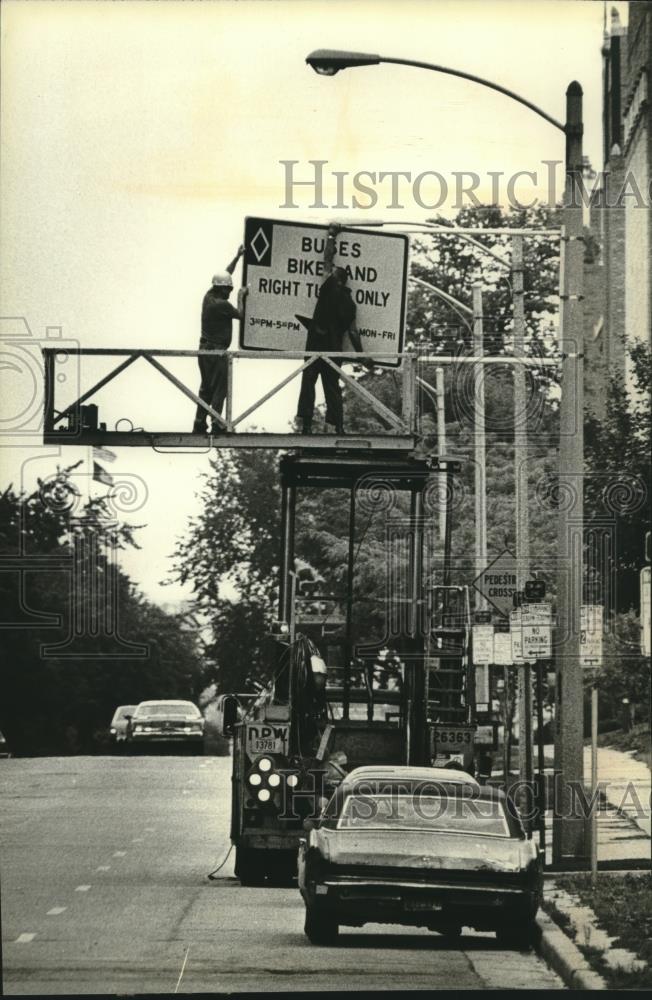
610,922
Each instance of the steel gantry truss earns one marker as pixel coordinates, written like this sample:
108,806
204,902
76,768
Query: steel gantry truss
68,426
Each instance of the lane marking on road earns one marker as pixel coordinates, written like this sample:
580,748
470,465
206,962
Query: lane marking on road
24,938
103,868
56,910
184,791
119,854
183,969
82,888
149,829
137,840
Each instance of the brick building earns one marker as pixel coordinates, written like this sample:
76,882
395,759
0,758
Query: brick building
618,273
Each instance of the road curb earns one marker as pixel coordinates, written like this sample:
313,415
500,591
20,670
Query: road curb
564,957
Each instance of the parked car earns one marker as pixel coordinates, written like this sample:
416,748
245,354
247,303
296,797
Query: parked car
120,723
410,849
4,747
166,722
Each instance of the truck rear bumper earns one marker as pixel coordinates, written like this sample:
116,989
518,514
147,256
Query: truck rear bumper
269,841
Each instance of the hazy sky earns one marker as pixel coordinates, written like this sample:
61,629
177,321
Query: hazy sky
137,136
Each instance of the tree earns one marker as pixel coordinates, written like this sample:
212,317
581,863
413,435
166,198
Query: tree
50,703
618,483
230,553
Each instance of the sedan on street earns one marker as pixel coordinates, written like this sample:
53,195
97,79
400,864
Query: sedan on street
120,724
409,849
158,723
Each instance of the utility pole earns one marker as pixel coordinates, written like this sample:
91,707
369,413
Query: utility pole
526,771
480,449
569,840
441,447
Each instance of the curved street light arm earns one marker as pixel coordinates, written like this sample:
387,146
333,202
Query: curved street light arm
477,79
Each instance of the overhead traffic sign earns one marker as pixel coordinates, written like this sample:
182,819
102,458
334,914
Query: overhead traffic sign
497,583
284,270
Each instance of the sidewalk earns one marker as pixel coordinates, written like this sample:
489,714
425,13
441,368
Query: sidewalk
624,816
628,783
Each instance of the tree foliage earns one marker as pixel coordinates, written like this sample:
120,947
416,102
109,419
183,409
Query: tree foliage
49,700
618,483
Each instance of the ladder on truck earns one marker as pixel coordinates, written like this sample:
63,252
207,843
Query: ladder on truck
449,682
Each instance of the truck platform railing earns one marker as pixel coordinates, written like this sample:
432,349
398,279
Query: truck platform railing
77,423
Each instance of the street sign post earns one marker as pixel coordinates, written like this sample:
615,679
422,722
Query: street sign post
284,270
591,635
483,655
516,635
536,632
498,583
503,649
646,610
483,644
591,618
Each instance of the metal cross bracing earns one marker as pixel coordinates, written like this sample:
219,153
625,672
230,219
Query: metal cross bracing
78,423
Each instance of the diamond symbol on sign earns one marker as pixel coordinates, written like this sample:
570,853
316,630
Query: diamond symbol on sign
259,244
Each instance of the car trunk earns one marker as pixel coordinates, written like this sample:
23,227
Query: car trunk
415,850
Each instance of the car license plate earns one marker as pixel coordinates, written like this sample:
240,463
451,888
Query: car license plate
452,738
421,904
265,746
267,738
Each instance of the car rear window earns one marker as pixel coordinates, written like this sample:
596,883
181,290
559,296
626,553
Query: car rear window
431,813
165,711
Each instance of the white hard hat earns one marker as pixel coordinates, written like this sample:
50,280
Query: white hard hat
222,279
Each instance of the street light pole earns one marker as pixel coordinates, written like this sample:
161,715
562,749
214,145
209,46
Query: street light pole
480,447
569,831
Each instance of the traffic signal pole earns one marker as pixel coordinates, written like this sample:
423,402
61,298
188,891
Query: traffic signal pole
569,827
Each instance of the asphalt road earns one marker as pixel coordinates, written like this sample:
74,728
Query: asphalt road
104,890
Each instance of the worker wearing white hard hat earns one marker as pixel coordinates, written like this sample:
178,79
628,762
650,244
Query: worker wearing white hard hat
217,317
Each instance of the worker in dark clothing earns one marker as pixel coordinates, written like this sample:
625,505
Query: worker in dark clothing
333,319
217,315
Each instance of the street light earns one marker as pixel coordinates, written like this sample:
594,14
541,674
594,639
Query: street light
328,62
569,836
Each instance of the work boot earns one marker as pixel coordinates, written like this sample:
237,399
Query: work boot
199,428
306,426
